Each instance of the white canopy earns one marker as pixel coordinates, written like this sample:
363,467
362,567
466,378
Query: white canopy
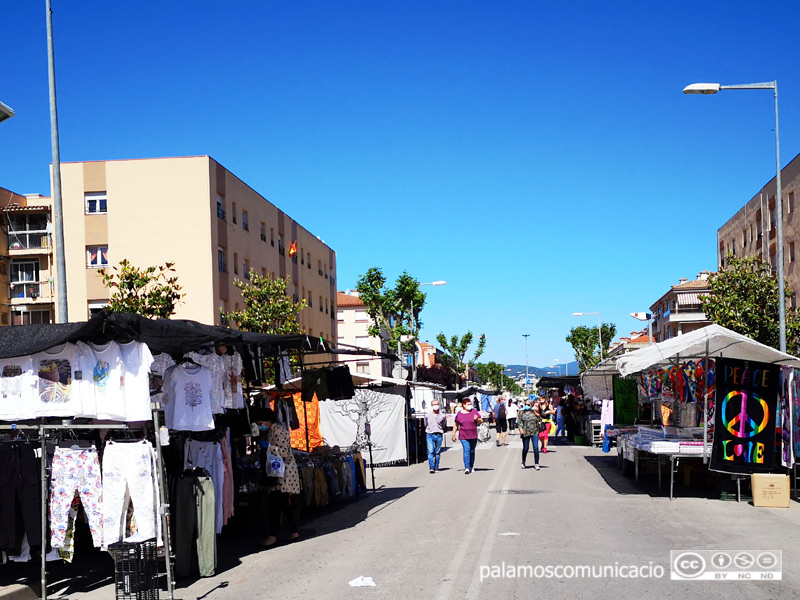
712,341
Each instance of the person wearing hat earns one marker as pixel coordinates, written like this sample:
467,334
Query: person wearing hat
277,501
434,432
528,424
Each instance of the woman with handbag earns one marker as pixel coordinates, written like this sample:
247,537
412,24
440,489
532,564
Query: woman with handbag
545,412
278,488
528,425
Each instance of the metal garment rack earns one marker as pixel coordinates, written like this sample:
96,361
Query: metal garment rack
42,429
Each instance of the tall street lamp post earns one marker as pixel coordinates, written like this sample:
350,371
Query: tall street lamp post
413,322
527,378
645,316
713,88
599,328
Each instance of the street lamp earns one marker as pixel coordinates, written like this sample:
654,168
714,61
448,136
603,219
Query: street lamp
558,360
713,88
645,316
6,112
599,328
414,351
555,367
527,379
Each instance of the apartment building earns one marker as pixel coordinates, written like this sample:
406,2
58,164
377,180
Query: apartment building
752,231
678,311
352,328
26,259
195,213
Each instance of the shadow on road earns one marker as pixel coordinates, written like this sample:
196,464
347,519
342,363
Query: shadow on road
624,484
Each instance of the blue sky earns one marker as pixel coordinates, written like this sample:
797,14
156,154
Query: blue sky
539,157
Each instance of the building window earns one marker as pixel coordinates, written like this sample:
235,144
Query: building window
310,303
302,256
233,212
30,317
96,306
791,202
362,368
96,203
362,316
320,304
235,263
340,316
264,272
772,221
245,226
24,280
319,267
246,269
96,256
791,251
272,236
27,231
281,249
263,232
308,260
220,207
222,263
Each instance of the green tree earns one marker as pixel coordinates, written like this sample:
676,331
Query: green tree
584,341
267,306
394,312
494,374
744,298
151,292
455,352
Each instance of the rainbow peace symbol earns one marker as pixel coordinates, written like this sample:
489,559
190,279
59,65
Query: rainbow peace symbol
741,424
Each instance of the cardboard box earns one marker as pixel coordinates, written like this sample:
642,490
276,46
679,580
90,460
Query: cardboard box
770,490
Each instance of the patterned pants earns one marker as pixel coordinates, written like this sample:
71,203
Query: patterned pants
129,472
73,471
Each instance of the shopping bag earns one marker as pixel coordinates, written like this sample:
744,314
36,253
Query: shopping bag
275,465
484,435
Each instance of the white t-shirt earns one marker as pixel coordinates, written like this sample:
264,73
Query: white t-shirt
219,371
512,411
18,389
61,382
232,385
187,397
106,372
137,360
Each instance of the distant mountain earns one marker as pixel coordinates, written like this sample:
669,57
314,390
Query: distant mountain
565,369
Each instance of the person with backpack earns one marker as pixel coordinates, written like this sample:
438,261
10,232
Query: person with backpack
529,425
500,420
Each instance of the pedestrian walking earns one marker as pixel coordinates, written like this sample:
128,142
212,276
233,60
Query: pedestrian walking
434,432
529,430
545,412
512,412
466,428
276,502
560,423
500,420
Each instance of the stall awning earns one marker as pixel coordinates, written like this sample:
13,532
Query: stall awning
689,298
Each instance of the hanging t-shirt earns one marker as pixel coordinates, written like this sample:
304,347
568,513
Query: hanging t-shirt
232,385
103,367
219,371
18,389
61,382
187,398
137,360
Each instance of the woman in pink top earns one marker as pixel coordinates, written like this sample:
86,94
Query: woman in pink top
466,426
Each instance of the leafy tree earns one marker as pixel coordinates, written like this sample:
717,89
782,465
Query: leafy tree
455,352
744,298
268,308
151,292
394,312
494,374
586,345
437,374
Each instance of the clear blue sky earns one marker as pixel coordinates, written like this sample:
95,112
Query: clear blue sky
540,157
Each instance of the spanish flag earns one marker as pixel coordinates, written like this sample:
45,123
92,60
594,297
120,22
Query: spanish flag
293,249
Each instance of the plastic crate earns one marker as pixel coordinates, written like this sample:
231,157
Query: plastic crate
135,570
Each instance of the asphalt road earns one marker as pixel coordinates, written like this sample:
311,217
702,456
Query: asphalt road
451,535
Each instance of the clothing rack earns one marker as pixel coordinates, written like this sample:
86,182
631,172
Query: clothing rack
42,428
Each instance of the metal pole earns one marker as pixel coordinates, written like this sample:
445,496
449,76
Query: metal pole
162,492
58,221
527,378
43,500
779,208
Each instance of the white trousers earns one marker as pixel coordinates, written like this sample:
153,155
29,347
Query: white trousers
208,455
129,474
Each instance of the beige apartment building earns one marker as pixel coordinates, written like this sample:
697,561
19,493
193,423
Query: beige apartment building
26,259
678,311
352,328
752,231
195,213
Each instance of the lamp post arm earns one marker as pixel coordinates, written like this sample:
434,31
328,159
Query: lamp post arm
767,85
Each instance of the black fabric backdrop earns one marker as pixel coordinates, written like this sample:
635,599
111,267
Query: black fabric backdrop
744,421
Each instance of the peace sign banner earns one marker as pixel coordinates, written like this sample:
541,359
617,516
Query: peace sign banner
744,420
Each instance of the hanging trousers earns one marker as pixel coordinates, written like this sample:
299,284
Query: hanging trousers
75,470
129,472
20,501
194,522
208,455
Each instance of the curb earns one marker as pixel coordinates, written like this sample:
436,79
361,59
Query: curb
18,592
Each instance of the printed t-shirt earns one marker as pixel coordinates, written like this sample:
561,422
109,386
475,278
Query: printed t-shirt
61,383
187,395
217,366
468,428
106,372
137,359
18,389
232,384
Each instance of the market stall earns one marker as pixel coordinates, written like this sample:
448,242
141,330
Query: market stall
691,384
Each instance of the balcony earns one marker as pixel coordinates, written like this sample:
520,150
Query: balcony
28,241
29,290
